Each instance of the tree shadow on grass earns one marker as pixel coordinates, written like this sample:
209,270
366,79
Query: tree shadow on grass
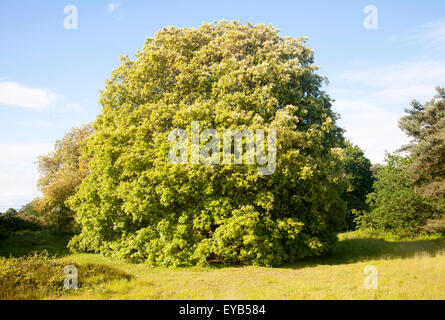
92,274
23,243
362,249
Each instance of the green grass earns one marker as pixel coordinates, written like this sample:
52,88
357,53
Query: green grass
408,269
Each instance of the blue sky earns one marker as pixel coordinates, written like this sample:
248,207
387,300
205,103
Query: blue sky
50,77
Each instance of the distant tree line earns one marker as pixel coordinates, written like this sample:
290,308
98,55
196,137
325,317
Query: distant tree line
16,220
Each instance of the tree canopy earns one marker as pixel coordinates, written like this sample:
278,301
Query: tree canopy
359,183
136,204
61,172
425,123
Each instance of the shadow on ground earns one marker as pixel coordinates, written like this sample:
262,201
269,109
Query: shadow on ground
363,249
23,243
349,250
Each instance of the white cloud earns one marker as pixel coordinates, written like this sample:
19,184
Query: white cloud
37,124
18,173
372,127
14,94
372,99
74,106
431,34
376,99
113,6
407,74
17,95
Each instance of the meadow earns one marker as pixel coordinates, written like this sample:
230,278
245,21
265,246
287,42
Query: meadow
407,269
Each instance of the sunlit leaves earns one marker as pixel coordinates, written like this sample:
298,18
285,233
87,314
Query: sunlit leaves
135,204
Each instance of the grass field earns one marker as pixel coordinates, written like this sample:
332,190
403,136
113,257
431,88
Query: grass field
407,269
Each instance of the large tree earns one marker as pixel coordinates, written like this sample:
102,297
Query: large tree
61,172
359,183
136,204
425,124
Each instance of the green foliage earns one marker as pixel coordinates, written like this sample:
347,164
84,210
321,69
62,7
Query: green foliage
426,125
135,204
39,276
30,277
61,172
359,181
395,207
13,220
4,233
26,242
375,169
435,226
11,212
29,210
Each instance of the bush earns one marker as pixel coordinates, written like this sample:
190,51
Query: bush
41,276
30,277
17,221
135,204
435,226
395,206
4,232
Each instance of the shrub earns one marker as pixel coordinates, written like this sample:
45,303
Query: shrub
30,277
435,226
17,221
4,232
395,206
39,276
